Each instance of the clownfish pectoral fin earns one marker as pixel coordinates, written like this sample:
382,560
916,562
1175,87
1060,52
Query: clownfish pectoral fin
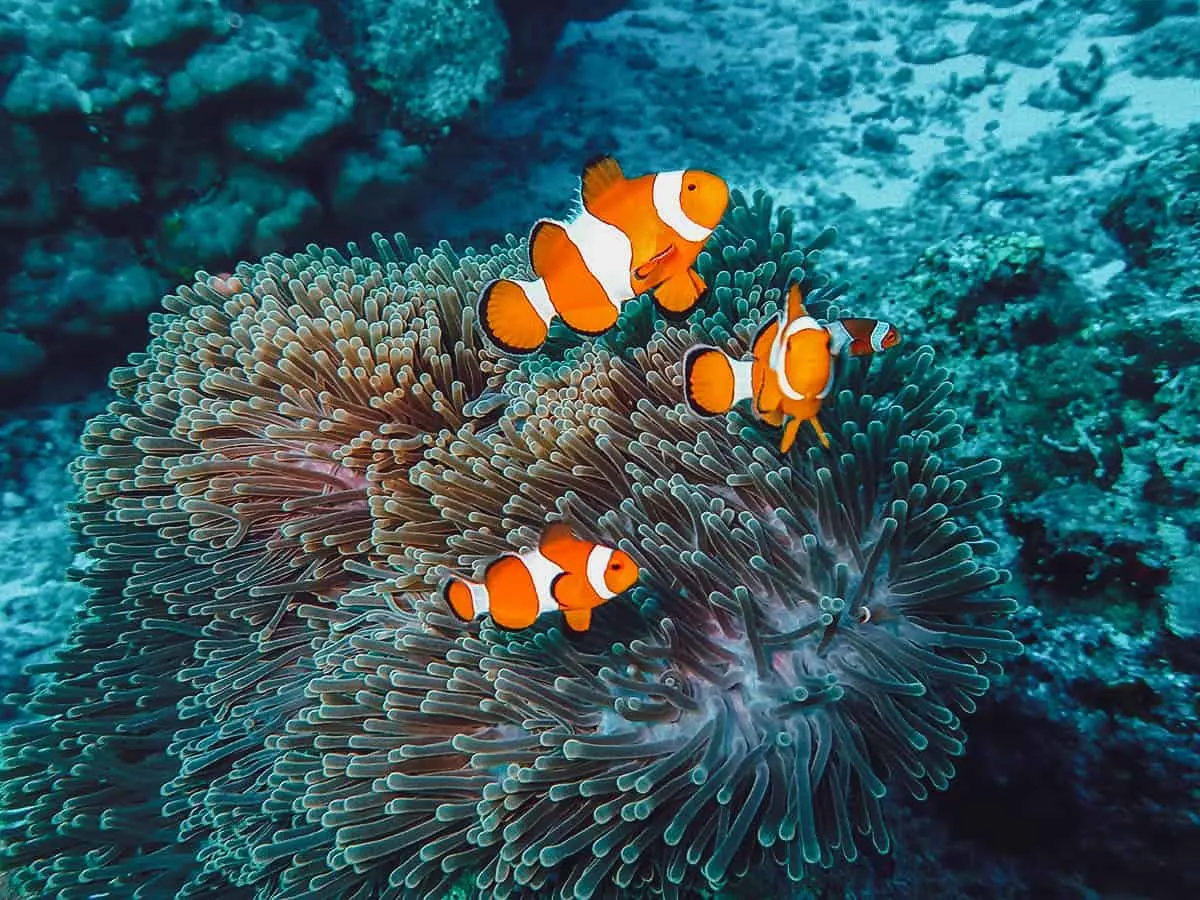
795,302
677,296
646,271
600,175
578,619
699,283
515,315
712,382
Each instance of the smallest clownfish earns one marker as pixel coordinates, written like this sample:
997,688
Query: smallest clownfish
790,372
564,574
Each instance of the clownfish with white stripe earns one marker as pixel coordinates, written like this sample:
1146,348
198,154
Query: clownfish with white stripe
564,574
790,372
632,235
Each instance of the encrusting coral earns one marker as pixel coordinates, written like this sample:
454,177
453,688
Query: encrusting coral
263,695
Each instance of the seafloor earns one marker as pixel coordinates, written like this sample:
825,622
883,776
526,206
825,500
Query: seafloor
1014,183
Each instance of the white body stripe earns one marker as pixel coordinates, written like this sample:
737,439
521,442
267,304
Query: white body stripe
597,562
539,298
743,378
839,336
878,333
778,348
606,252
480,602
543,572
828,385
668,188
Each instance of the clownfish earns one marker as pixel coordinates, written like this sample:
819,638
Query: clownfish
790,371
564,574
632,235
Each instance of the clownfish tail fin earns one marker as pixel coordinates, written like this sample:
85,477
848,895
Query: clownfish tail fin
458,596
712,382
515,315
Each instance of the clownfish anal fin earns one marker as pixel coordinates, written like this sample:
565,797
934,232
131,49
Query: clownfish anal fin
567,589
578,619
678,295
600,175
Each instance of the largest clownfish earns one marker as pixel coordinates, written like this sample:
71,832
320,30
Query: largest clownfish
632,235
790,371
564,574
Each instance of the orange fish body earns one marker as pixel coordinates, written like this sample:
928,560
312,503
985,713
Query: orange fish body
564,574
790,370
632,235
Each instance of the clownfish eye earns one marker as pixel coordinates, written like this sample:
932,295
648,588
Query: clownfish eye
615,566
691,186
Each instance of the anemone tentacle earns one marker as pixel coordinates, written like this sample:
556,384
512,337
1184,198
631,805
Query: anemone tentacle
263,696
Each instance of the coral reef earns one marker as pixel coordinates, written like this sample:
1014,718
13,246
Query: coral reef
261,696
1081,378
145,139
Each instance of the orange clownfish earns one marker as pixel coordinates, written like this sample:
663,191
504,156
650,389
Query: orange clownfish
564,574
790,371
632,235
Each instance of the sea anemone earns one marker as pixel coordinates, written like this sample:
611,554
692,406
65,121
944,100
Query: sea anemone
263,695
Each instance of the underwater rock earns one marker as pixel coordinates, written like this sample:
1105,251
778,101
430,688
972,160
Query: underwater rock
435,61
1155,215
179,94
106,189
1166,49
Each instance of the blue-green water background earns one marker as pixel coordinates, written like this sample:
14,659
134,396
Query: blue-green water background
1013,182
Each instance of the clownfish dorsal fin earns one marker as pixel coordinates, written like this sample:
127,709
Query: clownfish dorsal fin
558,543
795,302
600,175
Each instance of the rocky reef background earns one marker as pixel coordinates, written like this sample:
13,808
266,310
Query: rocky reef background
1014,183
